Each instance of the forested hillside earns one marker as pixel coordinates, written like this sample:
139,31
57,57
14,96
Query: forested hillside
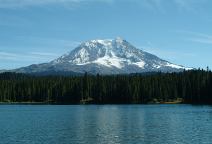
191,86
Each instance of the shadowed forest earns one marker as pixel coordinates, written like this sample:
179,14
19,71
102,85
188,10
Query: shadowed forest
193,87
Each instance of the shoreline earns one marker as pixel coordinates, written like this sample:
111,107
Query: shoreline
25,103
46,103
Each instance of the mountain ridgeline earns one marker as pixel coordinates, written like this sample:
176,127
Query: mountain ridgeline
109,56
193,87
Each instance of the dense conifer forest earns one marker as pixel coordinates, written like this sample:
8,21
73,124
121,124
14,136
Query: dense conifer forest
194,87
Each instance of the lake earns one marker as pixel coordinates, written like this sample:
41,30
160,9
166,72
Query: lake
105,124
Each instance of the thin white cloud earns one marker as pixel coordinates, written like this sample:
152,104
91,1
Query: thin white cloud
30,56
8,56
47,49
11,60
43,54
158,5
50,42
197,37
170,55
202,38
191,5
164,5
29,3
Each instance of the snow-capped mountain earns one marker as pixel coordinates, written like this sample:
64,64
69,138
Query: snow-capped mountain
110,56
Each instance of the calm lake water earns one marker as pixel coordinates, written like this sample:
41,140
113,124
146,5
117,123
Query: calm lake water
105,124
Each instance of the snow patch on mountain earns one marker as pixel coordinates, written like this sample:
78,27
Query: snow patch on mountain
174,66
109,62
140,64
178,66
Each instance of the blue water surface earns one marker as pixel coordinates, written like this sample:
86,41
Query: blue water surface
105,124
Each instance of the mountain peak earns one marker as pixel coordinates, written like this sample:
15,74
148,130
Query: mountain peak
108,56
104,41
119,39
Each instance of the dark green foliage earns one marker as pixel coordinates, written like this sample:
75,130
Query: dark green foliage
192,86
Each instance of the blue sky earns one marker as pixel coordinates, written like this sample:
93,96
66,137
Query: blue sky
36,31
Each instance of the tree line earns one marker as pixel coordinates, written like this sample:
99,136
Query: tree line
194,87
